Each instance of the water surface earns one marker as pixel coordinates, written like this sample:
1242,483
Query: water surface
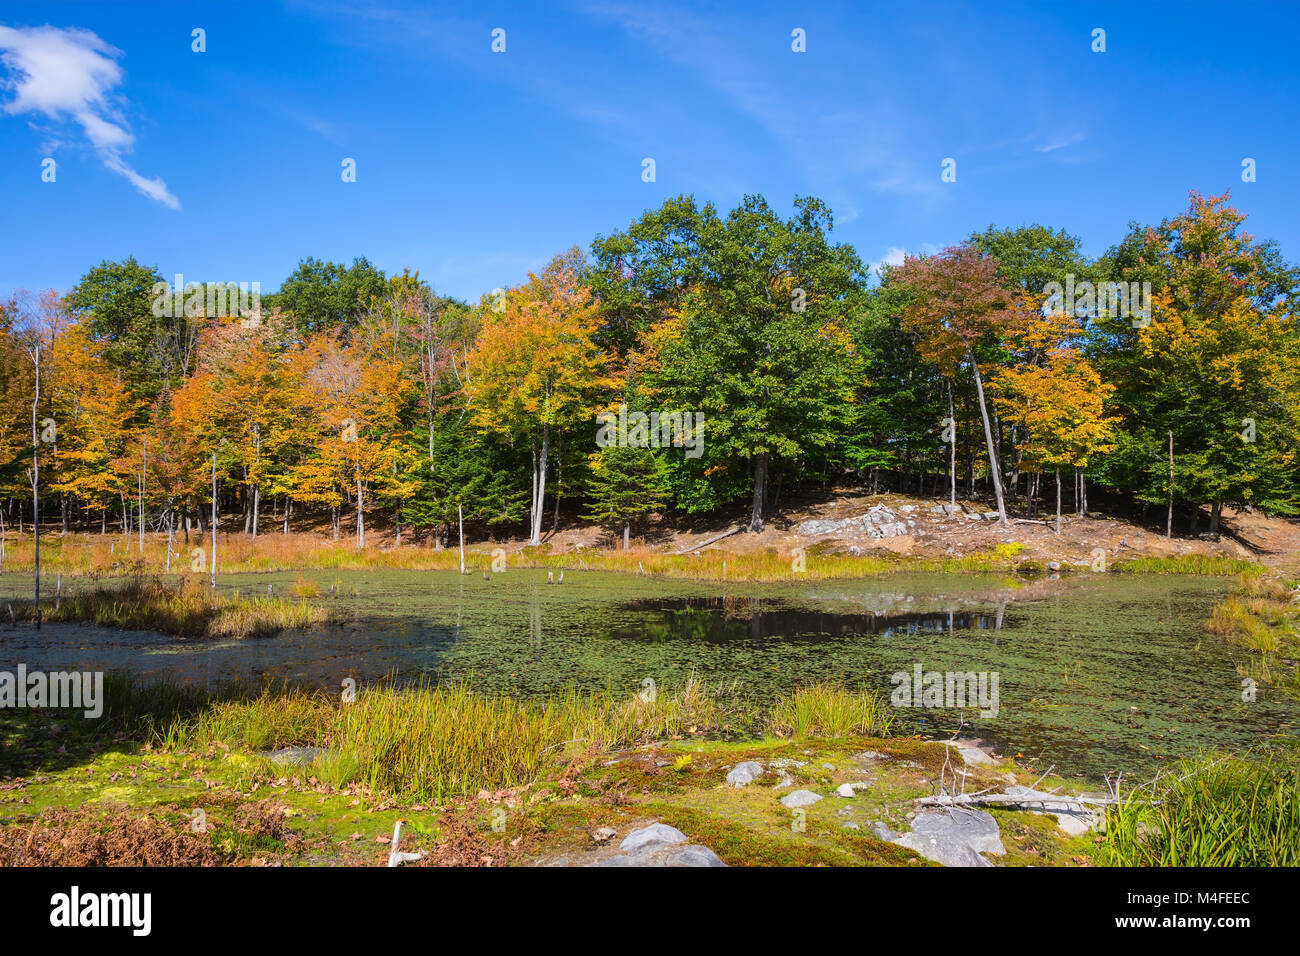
1097,673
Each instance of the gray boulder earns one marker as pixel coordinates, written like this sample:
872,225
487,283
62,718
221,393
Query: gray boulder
295,756
954,837
745,773
800,798
657,834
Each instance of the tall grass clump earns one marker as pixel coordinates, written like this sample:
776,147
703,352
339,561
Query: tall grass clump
185,609
830,710
1262,617
1227,811
433,742
268,720
1210,564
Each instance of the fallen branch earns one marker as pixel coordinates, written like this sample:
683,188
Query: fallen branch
1003,799
707,541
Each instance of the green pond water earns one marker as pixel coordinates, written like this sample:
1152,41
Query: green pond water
1096,673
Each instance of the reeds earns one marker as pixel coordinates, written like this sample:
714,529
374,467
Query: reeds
1262,617
830,710
1190,564
1225,811
433,742
184,609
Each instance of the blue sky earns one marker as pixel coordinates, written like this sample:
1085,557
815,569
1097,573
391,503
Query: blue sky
474,166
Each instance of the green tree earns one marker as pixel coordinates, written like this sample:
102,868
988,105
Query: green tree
116,301
760,345
329,296
624,483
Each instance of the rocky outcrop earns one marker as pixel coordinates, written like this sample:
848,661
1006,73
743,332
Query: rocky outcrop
954,837
879,522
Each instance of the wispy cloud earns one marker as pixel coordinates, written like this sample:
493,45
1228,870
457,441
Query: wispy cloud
835,146
1059,142
69,75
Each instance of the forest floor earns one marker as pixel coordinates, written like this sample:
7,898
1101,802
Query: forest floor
142,806
902,530
1246,535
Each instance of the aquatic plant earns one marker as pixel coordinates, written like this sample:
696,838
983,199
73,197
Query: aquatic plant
186,608
1211,811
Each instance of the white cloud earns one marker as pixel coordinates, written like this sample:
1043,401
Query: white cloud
894,256
70,75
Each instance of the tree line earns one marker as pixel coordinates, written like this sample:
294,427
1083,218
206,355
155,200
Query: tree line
967,371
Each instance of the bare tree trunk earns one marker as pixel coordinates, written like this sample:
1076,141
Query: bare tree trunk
36,484
952,450
257,486
760,493
213,564
361,513
1058,501
539,485
559,479
627,534
144,464
994,470
1169,523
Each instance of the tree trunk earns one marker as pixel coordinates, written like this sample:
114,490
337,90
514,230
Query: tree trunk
36,485
539,486
559,479
627,534
361,513
144,464
1215,514
952,451
1169,524
1058,501
994,471
760,492
213,557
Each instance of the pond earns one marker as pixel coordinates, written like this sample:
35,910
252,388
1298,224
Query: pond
1096,673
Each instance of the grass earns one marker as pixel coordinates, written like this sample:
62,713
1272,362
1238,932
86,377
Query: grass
438,741
447,759
1262,618
823,710
1209,564
186,609
1224,811
98,555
